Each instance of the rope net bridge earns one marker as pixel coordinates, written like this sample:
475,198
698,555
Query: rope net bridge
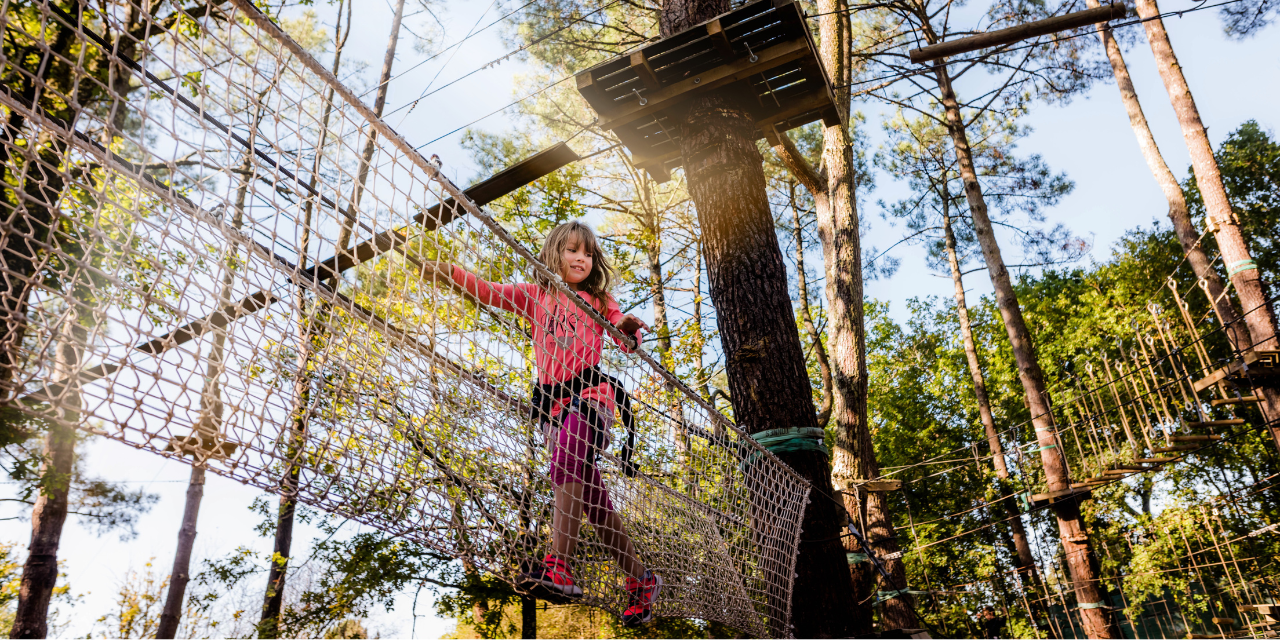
213,251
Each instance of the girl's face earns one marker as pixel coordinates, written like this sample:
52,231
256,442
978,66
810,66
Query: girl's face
575,262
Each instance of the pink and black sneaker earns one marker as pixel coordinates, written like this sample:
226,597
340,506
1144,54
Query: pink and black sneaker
643,594
553,577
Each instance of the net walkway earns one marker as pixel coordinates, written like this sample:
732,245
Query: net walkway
213,251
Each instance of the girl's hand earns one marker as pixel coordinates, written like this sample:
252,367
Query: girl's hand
434,268
630,324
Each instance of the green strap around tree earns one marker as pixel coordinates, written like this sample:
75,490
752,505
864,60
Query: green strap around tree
787,440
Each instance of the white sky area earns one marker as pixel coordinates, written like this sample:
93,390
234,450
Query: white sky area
1089,139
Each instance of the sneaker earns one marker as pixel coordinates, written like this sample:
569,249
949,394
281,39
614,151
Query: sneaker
553,577
643,594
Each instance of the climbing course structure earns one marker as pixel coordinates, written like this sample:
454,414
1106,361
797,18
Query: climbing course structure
213,251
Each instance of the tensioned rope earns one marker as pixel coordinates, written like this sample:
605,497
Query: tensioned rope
164,318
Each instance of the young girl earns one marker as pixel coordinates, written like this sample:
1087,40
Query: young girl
576,402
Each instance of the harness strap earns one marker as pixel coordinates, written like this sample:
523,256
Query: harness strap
544,397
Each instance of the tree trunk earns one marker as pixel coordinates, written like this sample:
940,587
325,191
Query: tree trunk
273,599
1081,561
1259,317
28,210
1025,562
366,157
40,573
854,456
171,616
1178,215
806,316
528,617
765,363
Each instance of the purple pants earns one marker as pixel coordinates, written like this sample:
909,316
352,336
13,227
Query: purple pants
572,460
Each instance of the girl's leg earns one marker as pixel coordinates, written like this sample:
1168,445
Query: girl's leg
566,521
615,539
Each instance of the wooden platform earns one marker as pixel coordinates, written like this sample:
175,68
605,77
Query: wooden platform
1258,364
762,53
1074,493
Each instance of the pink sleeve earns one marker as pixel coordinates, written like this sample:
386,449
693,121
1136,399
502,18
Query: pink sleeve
508,297
613,313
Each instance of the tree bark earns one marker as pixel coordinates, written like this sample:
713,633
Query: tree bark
1025,562
765,362
40,572
806,316
1259,317
171,615
1081,561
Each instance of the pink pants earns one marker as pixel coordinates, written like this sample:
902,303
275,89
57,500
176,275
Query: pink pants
572,460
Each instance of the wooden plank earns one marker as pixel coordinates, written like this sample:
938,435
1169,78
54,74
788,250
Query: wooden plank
1217,423
1227,401
1217,376
1184,447
592,91
640,64
715,78
1020,32
52,390
1207,438
216,320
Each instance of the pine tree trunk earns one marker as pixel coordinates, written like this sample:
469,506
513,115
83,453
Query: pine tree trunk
1178,215
806,316
854,458
1081,561
273,599
40,572
764,359
30,212
1259,317
1025,562
171,615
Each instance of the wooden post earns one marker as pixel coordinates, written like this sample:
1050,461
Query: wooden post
171,615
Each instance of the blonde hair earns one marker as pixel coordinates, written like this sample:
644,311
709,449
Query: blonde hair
571,234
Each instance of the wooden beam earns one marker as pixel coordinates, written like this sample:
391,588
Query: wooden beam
719,40
1020,32
640,64
500,184
592,91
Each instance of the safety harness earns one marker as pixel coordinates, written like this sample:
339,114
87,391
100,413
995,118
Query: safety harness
544,396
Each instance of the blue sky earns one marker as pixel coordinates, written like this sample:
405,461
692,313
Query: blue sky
1089,139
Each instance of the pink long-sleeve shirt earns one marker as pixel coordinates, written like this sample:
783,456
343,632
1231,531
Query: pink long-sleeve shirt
565,339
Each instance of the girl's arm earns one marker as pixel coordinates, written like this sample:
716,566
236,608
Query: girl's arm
508,297
626,323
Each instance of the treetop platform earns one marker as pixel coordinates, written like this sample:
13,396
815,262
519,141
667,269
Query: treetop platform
762,52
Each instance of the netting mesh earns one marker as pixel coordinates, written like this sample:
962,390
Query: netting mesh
185,206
